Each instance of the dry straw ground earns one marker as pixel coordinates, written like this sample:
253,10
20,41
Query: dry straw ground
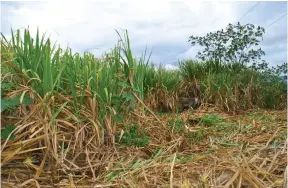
247,150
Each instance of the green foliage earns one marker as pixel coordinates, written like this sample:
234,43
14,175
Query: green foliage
154,78
51,69
125,100
201,70
232,44
233,86
6,86
133,136
178,125
114,79
57,113
6,132
212,119
12,103
39,60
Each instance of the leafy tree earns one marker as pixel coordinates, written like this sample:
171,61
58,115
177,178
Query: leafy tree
231,45
280,69
277,71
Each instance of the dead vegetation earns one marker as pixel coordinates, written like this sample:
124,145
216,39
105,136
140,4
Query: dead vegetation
64,151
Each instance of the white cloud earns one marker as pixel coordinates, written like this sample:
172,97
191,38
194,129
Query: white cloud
94,21
90,25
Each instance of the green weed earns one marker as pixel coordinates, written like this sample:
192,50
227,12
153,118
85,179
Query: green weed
12,103
214,120
133,136
5,86
178,125
6,132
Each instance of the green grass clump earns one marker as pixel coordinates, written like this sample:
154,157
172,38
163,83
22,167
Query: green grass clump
217,123
212,119
133,136
178,125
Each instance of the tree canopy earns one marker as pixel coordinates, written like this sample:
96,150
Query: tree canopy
232,44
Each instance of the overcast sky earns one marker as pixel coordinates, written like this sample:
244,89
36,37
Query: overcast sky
164,26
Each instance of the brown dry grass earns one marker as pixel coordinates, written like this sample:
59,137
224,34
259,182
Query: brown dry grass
71,153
